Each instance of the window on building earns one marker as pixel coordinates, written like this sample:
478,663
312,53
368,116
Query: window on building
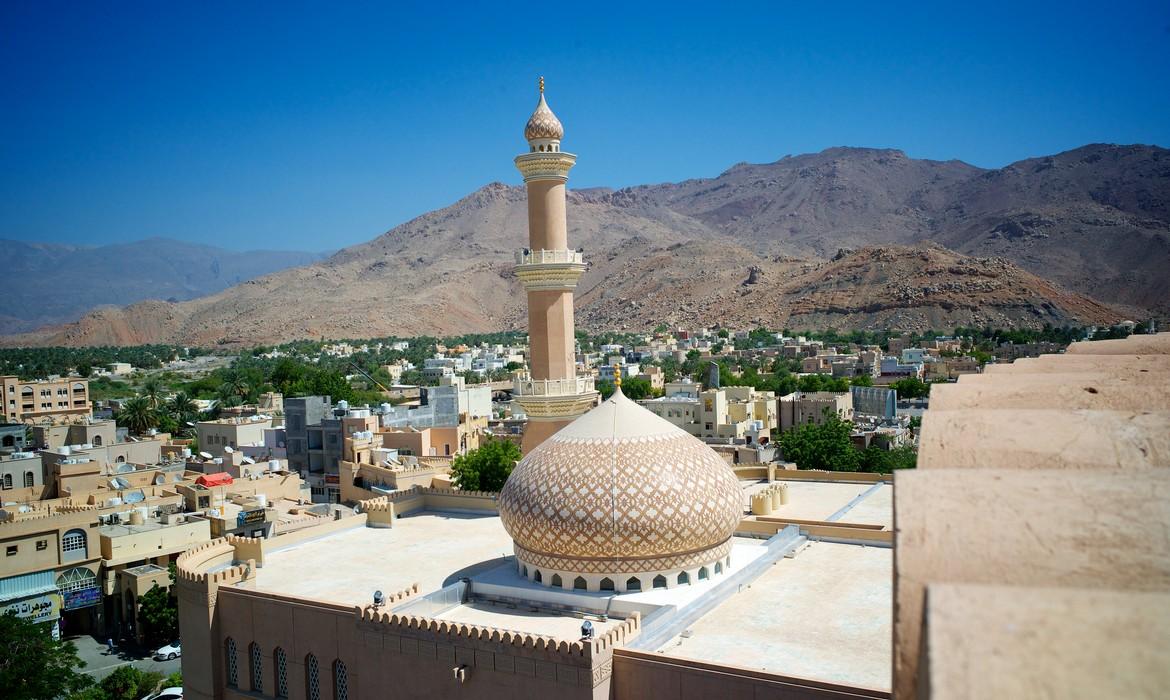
97,440
233,672
28,479
312,678
75,545
633,583
42,545
340,681
660,581
256,667
12,550
281,662
7,481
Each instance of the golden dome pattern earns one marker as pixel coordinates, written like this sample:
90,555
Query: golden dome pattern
543,124
621,491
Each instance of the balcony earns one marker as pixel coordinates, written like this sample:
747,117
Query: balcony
538,257
526,386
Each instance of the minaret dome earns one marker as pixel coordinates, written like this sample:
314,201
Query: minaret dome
543,130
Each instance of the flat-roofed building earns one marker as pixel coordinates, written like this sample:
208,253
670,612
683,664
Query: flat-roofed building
45,400
807,407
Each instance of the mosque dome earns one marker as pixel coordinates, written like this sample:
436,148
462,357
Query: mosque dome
543,124
621,491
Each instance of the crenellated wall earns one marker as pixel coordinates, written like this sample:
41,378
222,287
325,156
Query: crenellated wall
382,511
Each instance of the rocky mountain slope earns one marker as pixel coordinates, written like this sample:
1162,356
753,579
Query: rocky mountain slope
58,283
1081,237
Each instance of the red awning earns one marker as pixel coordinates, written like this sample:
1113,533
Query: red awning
220,479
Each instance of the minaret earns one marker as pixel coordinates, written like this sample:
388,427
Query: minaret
551,394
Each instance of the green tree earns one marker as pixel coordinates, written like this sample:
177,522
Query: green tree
911,388
825,446
862,380
152,390
636,388
34,666
85,368
137,415
485,468
182,408
128,683
159,612
605,388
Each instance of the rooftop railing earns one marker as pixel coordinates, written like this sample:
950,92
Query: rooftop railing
536,257
526,386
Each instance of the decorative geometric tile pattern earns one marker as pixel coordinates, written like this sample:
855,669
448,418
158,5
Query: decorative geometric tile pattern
639,502
543,124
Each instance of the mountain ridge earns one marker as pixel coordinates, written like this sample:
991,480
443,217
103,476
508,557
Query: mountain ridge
448,270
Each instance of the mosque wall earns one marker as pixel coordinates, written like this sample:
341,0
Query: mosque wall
638,674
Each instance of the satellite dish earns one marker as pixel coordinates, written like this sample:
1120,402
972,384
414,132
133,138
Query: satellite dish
206,455
160,480
228,449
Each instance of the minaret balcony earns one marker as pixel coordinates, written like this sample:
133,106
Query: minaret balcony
540,257
545,166
549,269
554,399
525,385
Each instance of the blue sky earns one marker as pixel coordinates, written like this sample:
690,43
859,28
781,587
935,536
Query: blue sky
316,126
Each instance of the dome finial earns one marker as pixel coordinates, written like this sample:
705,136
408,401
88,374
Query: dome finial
542,84
617,381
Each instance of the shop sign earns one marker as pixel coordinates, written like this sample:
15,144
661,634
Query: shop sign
82,598
42,608
250,517
333,478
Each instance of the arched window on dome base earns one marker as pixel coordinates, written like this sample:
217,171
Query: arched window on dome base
579,583
660,581
683,578
556,581
718,567
538,578
633,583
703,576
606,584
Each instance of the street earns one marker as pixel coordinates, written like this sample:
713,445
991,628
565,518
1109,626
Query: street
100,663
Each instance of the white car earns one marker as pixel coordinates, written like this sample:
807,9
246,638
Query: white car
166,694
170,651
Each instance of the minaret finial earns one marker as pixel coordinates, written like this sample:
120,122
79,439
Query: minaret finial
542,84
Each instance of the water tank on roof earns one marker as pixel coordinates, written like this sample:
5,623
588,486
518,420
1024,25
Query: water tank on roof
65,450
386,408
274,465
343,405
114,501
262,500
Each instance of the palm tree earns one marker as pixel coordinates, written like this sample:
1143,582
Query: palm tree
137,415
152,390
182,408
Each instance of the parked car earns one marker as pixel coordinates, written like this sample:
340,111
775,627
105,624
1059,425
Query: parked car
170,651
166,694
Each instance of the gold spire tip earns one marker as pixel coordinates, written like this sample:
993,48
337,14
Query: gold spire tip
542,84
617,381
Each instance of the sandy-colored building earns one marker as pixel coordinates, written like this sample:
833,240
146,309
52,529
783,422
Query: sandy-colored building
45,400
215,435
727,413
805,407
